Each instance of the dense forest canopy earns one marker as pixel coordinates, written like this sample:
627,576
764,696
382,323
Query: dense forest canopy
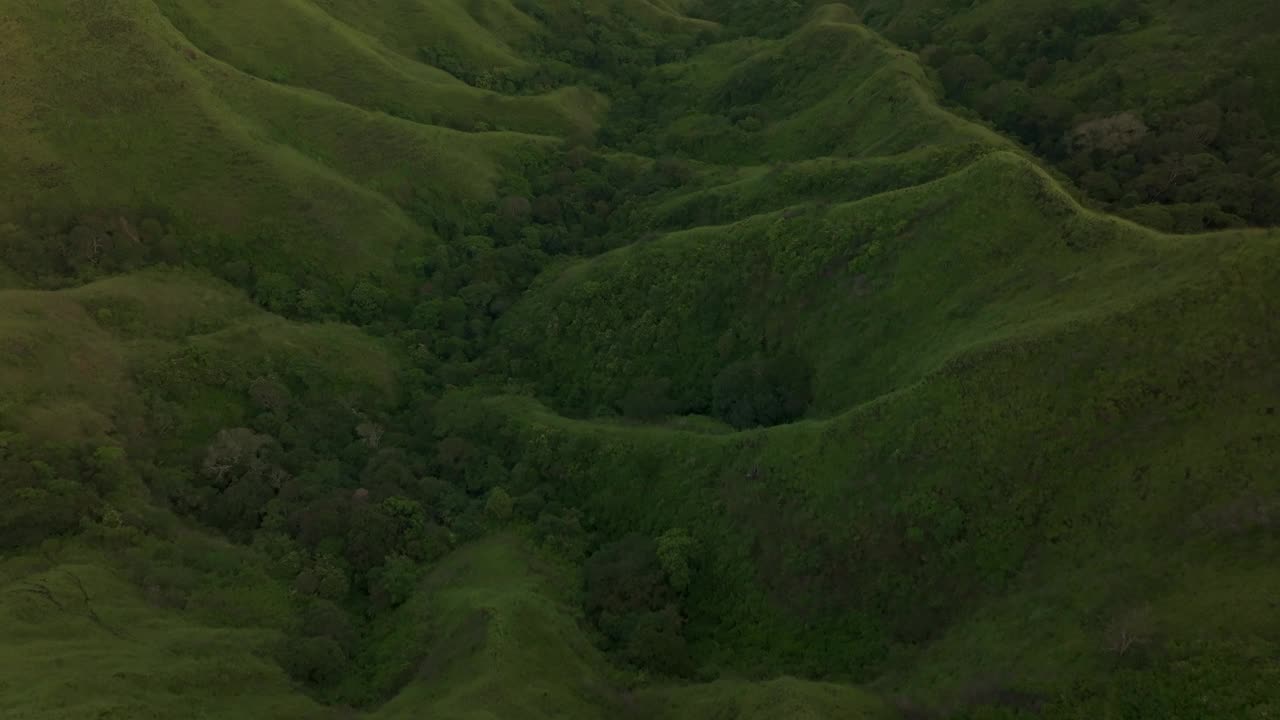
639,358
1141,104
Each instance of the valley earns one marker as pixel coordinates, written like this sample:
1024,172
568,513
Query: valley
638,359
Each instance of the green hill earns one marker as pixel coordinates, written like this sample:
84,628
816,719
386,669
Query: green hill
637,359
1189,80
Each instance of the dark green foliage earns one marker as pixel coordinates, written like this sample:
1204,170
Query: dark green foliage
629,596
394,582
1048,73
322,618
623,577
675,552
561,530
499,506
757,391
368,302
240,475
315,660
648,399
50,491
654,640
87,243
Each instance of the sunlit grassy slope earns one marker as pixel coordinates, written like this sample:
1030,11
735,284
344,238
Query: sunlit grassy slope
81,364
110,105
1036,430
80,641
354,67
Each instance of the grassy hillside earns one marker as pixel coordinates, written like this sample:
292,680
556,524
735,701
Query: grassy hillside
1004,392
830,88
82,642
83,364
487,635
640,359
354,68
167,152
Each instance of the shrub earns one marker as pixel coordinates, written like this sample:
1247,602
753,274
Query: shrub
756,391
499,506
316,660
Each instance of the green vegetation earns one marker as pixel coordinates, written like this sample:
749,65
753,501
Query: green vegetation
81,641
638,359
1163,110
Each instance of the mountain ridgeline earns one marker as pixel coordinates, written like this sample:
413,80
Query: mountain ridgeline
639,359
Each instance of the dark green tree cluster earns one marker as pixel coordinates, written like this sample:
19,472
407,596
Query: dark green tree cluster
1193,165
538,78
606,48
758,391
633,589
48,490
84,244
351,499
578,201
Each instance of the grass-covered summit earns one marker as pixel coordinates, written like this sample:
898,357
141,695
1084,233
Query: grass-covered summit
641,359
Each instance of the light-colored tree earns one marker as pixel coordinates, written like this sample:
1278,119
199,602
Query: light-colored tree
499,505
1129,630
370,433
675,551
1112,134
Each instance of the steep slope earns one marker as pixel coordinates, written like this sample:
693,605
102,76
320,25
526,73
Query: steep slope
357,69
80,641
132,121
1012,386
